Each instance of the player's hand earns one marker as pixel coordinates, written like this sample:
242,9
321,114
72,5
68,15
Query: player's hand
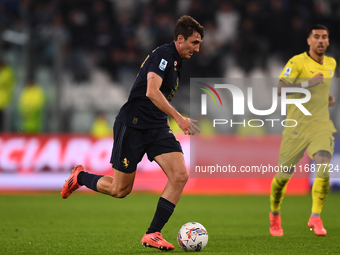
317,79
188,126
331,101
193,128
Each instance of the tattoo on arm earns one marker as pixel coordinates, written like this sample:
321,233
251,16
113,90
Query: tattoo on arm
324,154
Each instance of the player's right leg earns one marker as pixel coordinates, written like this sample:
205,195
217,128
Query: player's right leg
71,184
118,186
126,153
278,189
291,151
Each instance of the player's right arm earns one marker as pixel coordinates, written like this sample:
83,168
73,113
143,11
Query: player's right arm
291,72
317,79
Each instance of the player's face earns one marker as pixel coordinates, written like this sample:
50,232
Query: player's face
318,41
189,46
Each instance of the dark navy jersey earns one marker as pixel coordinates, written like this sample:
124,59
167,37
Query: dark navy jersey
139,111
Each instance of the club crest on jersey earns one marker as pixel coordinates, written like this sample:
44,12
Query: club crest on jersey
175,63
330,72
162,64
287,71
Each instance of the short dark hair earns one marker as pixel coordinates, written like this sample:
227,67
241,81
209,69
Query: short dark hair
186,26
317,27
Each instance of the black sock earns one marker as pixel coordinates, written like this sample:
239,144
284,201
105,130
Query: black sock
89,180
163,212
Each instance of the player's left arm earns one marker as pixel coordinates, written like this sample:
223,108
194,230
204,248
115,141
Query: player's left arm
331,100
154,83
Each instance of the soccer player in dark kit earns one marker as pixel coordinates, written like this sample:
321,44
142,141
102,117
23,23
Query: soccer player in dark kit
142,127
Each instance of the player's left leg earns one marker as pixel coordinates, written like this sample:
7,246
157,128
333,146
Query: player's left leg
320,149
321,184
320,191
166,150
174,167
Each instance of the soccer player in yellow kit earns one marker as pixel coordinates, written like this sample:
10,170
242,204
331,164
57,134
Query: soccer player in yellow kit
314,71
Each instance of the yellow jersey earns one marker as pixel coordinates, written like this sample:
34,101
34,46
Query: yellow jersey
302,68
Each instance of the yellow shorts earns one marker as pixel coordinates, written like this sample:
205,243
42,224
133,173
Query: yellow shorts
292,149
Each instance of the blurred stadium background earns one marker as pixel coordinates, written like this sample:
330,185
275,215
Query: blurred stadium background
84,55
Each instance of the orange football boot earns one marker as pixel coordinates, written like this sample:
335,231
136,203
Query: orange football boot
156,240
71,184
315,223
275,225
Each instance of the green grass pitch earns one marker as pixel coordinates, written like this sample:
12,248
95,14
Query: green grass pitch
98,224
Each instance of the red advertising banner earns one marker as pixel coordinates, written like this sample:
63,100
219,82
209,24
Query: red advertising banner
44,162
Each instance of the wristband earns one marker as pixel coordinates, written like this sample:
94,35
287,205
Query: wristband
304,84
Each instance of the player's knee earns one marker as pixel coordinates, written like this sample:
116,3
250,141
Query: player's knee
181,178
323,175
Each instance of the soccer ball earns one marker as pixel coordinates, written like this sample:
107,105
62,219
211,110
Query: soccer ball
192,236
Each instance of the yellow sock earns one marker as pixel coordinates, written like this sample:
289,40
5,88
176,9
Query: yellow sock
320,189
278,190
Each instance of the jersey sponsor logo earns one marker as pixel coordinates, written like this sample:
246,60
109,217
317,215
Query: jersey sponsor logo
287,71
162,64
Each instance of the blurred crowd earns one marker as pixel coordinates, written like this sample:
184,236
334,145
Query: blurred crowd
117,35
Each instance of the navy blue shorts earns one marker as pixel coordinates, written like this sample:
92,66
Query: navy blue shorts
130,145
